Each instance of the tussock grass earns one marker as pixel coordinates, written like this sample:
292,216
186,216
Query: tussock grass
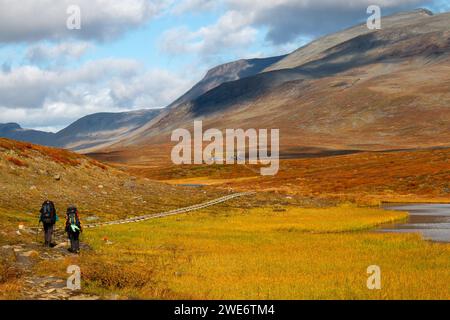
8,272
10,290
265,254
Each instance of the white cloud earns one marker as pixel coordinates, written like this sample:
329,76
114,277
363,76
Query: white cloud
286,23
31,87
36,97
34,20
231,31
195,6
59,53
156,88
286,20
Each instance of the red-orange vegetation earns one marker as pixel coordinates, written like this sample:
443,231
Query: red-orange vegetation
17,162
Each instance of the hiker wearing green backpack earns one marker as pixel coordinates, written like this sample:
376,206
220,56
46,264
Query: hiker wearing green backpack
73,229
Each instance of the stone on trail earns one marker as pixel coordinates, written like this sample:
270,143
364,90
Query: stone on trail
62,245
129,184
31,253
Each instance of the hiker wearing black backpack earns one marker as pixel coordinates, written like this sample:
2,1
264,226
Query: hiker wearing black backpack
73,229
48,217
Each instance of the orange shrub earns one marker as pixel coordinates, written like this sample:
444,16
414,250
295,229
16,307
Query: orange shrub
98,164
17,162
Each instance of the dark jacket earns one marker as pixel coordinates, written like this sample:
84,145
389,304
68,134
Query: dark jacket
54,216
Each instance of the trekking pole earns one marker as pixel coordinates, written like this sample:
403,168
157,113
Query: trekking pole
53,235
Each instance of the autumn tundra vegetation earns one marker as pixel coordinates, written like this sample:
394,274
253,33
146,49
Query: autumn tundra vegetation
363,120
278,244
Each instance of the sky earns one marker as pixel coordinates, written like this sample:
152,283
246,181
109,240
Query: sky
136,54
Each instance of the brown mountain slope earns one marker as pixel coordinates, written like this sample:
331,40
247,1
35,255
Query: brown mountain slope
224,73
215,77
314,49
387,89
29,174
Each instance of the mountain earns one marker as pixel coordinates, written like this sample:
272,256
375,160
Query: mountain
215,77
99,128
89,131
225,73
357,89
16,132
317,48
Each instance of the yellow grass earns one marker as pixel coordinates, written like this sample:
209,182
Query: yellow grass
10,290
264,254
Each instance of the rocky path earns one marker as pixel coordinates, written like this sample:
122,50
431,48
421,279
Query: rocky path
43,287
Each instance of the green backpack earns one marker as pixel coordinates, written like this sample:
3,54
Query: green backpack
73,220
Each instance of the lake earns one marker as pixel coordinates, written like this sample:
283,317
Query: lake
430,220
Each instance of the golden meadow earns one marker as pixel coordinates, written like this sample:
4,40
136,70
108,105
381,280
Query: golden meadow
262,253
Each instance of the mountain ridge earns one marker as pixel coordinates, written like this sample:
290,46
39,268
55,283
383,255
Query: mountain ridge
88,131
317,100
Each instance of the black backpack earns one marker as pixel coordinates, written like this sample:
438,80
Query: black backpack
48,215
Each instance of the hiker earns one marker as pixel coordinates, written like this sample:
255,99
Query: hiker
73,229
48,218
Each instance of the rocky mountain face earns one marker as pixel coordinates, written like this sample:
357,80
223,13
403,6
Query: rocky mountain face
225,73
357,89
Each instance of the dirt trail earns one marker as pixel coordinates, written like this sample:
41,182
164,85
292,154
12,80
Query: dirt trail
51,287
